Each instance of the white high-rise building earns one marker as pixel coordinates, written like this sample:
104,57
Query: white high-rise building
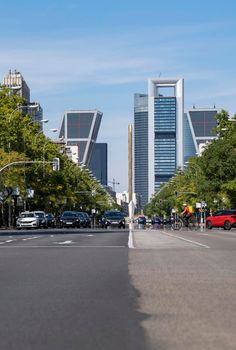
165,130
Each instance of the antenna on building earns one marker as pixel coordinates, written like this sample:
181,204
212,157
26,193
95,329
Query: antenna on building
194,106
159,75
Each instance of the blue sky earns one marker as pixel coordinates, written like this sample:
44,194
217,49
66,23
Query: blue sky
97,54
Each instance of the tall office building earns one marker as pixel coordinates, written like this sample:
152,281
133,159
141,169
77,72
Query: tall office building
158,135
80,128
199,129
98,162
141,146
18,86
16,83
165,130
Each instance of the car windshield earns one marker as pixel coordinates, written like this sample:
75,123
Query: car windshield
68,214
27,215
39,215
114,215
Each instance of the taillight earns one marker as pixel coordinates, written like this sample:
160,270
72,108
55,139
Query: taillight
233,216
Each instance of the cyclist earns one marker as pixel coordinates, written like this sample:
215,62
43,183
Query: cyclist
186,214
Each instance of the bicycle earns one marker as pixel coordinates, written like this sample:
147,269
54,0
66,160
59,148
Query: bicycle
179,222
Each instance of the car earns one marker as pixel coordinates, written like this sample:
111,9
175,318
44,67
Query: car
42,218
88,219
156,220
113,218
223,218
51,220
82,219
27,219
140,221
85,220
69,219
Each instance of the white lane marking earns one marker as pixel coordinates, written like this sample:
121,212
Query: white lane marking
90,235
131,240
29,238
63,246
65,242
187,240
8,241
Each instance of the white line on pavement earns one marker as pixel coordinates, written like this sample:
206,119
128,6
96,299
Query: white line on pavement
29,238
62,246
8,241
186,240
131,240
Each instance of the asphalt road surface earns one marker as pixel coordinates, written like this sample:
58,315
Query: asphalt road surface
86,289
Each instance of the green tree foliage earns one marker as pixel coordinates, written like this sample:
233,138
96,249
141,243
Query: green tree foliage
210,177
22,139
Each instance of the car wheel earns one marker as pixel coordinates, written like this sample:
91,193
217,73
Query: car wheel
227,225
209,225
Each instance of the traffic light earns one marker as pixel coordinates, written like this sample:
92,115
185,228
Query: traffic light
56,164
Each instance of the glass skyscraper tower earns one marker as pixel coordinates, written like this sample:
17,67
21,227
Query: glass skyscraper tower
165,130
158,135
141,146
80,128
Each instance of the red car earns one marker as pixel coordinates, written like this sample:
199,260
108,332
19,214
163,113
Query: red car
223,218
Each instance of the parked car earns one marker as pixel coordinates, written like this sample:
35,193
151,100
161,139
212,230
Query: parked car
51,220
27,219
42,218
69,219
222,218
82,219
88,219
85,220
113,218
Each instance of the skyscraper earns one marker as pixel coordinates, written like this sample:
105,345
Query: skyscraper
165,130
141,146
80,128
158,135
98,162
199,129
16,83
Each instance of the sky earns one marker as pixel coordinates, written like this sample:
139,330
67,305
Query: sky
98,53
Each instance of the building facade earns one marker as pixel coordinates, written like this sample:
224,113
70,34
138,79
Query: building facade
80,128
98,162
200,124
141,146
17,85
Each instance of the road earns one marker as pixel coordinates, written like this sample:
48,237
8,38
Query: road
86,289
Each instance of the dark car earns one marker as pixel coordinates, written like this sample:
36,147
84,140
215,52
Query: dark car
69,219
42,218
51,220
222,218
113,219
83,219
156,220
